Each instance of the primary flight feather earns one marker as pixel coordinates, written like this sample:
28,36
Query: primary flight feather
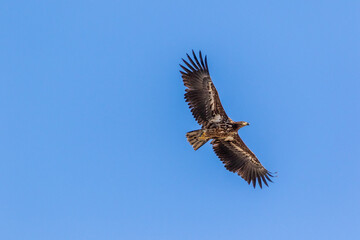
205,105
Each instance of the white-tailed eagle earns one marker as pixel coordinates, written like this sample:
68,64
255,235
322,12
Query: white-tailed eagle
205,105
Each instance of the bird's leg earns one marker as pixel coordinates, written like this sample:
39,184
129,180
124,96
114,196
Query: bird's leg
203,136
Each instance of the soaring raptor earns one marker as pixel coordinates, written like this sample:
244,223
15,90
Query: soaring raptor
205,105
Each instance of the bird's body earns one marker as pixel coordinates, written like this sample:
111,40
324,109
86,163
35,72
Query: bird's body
205,105
221,131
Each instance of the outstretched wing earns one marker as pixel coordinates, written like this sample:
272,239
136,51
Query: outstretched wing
238,158
201,94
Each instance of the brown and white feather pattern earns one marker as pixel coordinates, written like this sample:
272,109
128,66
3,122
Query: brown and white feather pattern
238,158
201,94
205,105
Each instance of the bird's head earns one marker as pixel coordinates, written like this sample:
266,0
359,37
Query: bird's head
241,124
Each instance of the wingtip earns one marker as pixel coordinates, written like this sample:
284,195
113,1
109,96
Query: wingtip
273,174
206,64
259,181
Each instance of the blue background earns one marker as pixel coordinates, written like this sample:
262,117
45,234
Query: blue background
93,120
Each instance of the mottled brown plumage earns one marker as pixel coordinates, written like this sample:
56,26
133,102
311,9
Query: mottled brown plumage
205,105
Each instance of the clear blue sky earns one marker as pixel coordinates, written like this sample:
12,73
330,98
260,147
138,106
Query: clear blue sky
93,119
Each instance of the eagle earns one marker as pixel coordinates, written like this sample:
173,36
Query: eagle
204,103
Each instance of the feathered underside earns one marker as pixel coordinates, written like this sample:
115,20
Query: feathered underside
201,94
205,105
238,158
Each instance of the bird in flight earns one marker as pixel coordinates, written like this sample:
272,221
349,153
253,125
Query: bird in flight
205,105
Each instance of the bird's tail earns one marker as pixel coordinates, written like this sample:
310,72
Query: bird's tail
197,138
